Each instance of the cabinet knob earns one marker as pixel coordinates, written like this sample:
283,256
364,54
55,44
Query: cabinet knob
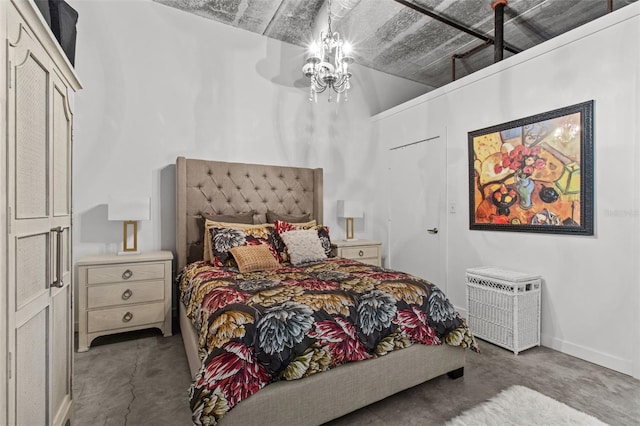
127,274
127,317
361,253
127,294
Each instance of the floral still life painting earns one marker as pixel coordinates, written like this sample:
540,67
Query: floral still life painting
534,174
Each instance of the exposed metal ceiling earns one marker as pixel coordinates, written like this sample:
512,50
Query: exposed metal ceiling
396,39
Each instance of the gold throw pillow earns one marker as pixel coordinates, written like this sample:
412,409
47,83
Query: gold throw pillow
254,258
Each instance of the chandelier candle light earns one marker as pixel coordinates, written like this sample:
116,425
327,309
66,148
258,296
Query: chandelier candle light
327,64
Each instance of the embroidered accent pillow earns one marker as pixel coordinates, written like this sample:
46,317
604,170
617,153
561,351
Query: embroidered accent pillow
303,246
281,226
254,258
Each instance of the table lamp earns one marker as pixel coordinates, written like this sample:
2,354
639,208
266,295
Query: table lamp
129,211
350,210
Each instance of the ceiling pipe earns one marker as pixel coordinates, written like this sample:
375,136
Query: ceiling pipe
498,29
464,55
609,6
455,25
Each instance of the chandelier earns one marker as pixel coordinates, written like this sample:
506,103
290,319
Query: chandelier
327,64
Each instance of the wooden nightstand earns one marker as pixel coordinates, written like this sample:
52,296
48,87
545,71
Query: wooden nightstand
123,293
365,251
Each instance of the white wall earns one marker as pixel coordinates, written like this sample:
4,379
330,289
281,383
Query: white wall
591,295
161,83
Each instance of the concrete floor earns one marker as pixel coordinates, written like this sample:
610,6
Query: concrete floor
142,378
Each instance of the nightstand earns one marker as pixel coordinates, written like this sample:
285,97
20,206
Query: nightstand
365,251
123,293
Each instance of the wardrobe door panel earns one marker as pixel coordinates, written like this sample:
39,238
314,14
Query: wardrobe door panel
30,244
32,163
32,371
32,254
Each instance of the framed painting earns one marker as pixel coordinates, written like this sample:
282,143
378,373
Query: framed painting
534,174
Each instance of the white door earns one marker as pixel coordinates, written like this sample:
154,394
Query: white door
39,241
417,211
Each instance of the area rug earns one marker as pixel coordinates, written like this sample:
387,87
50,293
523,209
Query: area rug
522,406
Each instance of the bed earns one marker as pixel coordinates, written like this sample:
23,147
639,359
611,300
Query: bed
233,188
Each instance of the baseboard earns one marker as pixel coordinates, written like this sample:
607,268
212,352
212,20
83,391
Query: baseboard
615,363
621,365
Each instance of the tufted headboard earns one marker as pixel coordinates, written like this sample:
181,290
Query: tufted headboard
226,188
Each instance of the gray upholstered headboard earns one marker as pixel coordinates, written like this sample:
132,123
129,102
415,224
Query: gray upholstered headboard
226,188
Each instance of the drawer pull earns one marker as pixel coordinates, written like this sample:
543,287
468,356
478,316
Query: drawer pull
360,253
127,317
127,294
127,274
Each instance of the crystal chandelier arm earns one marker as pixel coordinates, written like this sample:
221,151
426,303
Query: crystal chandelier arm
318,85
342,85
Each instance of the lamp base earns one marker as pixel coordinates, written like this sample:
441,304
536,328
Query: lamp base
126,248
349,226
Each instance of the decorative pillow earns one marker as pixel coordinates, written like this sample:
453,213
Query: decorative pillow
273,216
304,246
223,238
208,224
254,258
243,218
281,226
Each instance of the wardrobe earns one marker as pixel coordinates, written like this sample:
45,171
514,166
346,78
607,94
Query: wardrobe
37,83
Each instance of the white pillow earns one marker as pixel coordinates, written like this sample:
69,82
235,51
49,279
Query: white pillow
304,246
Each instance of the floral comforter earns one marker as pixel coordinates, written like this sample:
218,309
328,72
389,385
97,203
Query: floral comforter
289,323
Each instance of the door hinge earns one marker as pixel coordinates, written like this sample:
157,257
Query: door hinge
9,365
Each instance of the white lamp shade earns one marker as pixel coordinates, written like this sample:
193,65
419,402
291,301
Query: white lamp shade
123,208
350,208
